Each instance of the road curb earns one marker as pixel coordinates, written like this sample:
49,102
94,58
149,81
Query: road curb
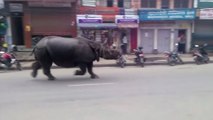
127,65
157,60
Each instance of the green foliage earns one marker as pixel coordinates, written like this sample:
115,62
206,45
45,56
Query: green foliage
3,27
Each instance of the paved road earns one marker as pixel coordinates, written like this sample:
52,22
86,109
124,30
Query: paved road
181,92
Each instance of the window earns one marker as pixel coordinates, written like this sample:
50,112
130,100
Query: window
102,3
165,4
124,3
148,3
91,3
109,3
127,4
181,3
121,3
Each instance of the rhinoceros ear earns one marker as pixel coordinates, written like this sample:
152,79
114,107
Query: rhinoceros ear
94,45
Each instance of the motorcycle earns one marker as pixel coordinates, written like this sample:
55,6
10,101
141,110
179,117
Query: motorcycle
7,60
173,57
140,58
200,55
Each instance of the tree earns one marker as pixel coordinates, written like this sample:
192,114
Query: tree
3,26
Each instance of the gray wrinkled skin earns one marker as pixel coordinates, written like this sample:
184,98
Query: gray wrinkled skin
69,52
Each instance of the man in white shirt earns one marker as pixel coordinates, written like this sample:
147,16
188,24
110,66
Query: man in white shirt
124,43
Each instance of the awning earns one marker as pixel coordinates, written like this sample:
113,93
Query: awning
128,25
97,25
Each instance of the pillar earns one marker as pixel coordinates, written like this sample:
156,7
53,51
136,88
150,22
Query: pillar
27,29
172,39
8,36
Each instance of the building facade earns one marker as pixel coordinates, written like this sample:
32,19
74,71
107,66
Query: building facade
30,18
107,20
203,30
154,24
162,22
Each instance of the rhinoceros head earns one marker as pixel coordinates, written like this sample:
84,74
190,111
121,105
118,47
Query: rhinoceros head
101,51
108,53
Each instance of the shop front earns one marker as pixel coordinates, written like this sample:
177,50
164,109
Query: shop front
40,18
94,28
128,24
203,28
160,30
98,24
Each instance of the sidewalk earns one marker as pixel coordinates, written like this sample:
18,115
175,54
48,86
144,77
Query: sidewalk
152,59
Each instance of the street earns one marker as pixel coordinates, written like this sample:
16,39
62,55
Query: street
162,92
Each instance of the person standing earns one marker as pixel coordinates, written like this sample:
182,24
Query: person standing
124,44
105,40
182,43
1,42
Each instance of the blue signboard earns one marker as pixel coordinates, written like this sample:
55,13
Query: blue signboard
167,14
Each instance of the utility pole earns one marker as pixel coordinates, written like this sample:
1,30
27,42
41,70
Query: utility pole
8,35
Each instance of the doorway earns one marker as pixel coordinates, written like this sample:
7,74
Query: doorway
17,30
181,39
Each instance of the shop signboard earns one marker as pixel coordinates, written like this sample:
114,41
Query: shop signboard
100,25
206,13
167,14
81,19
93,21
206,0
127,21
205,3
16,7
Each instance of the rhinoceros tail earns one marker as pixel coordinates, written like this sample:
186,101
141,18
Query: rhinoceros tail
32,51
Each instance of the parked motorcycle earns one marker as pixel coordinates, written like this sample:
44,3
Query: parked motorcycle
200,55
173,57
140,58
7,60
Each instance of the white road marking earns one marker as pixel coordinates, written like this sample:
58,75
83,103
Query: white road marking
94,84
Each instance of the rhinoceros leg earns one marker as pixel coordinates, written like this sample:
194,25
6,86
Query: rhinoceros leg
46,63
36,65
89,67
82,70
46,70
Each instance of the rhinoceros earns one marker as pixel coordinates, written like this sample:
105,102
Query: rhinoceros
68,53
